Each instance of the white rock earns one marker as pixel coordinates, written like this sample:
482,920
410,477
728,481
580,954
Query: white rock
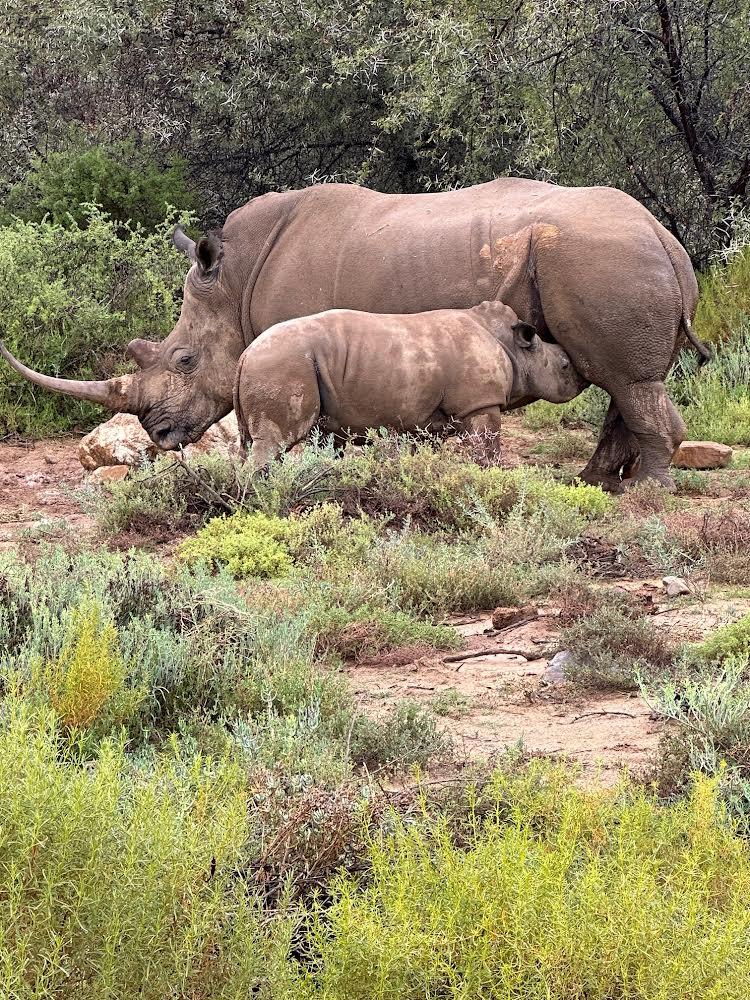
119,441
223,438
675,586
555,672
122,441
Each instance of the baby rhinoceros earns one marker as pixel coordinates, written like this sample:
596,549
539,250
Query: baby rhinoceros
353,371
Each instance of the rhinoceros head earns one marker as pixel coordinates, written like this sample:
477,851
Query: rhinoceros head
185,382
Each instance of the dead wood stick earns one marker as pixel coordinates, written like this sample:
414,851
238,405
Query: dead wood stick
492,651
586,715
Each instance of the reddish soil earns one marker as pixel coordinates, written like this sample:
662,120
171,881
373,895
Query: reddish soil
37,485
501,697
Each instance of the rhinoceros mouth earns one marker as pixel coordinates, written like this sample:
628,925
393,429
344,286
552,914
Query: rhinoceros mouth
169,437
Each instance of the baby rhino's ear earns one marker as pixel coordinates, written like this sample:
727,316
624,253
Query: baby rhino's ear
524,334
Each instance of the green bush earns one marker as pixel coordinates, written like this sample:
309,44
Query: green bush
724,301
126,183
191,647
560,893
70,299
405,736
714,398
117,883
729,641
244,544
612,648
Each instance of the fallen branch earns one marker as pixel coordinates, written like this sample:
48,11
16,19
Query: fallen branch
587,715
493,651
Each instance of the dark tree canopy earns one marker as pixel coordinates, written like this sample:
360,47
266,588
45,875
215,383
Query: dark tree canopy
649,95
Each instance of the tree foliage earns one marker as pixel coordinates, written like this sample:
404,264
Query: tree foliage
70,298
118,179
649,95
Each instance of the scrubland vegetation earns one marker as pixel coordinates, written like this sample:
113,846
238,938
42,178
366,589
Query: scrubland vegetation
193,803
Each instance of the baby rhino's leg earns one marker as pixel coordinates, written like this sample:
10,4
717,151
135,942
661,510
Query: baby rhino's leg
485,424
278,409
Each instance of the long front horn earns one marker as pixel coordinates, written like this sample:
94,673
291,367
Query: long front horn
183,242
116,394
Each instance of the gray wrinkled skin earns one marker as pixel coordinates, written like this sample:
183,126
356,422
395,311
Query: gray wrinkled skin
352,371
591,268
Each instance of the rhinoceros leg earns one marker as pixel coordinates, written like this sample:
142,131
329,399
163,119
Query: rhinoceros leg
486,424
617,450
657,425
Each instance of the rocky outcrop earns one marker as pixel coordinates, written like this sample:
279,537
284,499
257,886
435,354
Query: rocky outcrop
702,455
122,441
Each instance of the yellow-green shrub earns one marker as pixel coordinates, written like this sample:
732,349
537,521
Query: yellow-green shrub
87,679
244,544
120,884
563,893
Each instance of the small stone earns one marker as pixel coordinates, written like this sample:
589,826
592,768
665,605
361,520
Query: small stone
505,617
555,675
675,586
109,474
50,460
702,455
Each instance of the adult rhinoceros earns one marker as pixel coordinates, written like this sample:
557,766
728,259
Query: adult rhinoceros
590,267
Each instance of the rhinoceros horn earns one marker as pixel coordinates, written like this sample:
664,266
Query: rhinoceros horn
183,242
118,394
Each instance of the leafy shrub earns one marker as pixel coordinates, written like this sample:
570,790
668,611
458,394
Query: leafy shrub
88,676
714,399
396,478
351,625
71,298
612,647
728,642
244,544
130,879
407,735
126,184
557,894
191,646
708,713
451,702
724,302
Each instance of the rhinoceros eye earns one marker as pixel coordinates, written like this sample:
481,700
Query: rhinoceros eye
184,361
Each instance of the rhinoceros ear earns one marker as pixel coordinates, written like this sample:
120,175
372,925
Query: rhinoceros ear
525,334
208,253
143,352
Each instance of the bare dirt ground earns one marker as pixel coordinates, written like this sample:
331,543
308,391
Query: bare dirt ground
37,483
501,697
487,702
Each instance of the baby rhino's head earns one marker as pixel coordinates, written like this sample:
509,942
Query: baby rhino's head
541,370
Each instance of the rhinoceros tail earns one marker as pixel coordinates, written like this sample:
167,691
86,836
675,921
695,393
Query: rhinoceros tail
685,276
704,351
